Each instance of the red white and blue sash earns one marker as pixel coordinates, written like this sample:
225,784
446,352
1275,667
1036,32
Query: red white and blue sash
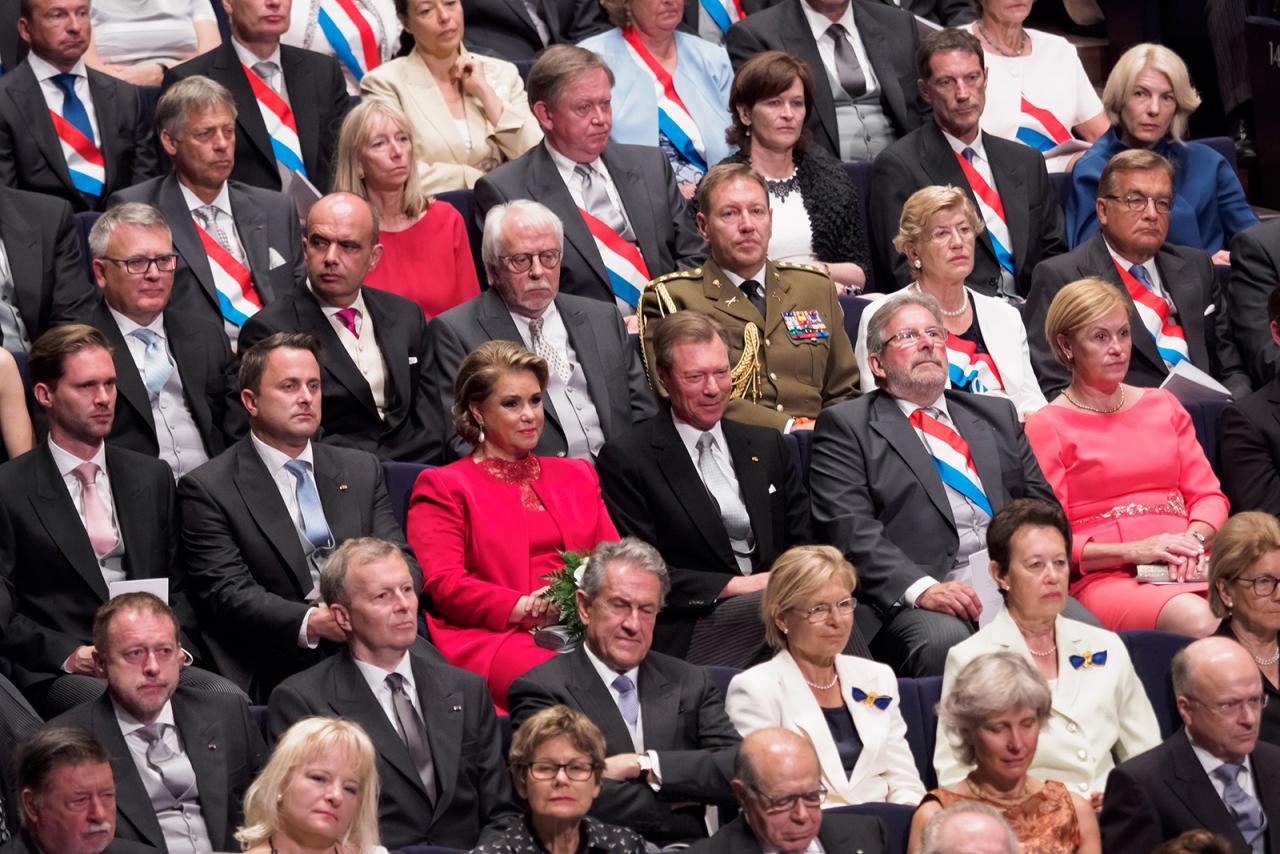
992,210
970,370
1040,128
281,127
1154,311
675,122
951,457
628,274
237,300
84,159
725,13
350,35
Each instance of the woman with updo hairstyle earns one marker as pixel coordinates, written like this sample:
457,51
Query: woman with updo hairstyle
846,705
489,527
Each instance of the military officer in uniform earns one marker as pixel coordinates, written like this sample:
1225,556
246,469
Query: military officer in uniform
789,352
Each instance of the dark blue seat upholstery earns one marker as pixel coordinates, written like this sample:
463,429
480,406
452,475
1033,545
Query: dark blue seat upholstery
84,222
400,480
860,174
853,307
1061,182
427,849
721,677
895,817
917,701
1205,417
1224,146
259,715
1152,654
504,728
800,443
224,23
465,203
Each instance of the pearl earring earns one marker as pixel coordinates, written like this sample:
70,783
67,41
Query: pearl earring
917,264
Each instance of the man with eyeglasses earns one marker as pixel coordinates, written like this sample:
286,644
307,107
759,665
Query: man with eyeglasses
1214,773
372,342
596,388
905,481
1177,312
778,783
176,394
442,776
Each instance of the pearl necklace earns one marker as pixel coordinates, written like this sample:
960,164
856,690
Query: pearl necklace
1080,405
1022,42
1267,662
827,687
963,308
1051,651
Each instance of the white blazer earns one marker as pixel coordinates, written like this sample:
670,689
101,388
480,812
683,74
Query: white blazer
1099,715
1006,339
775,694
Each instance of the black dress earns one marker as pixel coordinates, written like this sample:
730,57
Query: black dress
1269,726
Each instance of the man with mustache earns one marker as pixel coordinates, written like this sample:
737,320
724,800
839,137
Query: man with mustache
905,481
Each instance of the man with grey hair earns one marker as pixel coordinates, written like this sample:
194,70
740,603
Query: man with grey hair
596,389
238,246
905,481
1214,774
670,744
969,827
161,354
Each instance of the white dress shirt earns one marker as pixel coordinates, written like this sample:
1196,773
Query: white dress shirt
53,96
362,349
377,679
112,564
607,675
818,26
689,435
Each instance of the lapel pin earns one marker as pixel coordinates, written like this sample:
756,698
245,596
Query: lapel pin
213,745
755,459
456,709
342,487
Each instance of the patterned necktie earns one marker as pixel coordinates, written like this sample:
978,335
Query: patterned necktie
755,293
1140,273
555,360
177,776
267,70
628,699
72,107
156,366
951,458
102,535
850,74
348,317
414,734
733,513
212,219
1244,807
314,524
596,198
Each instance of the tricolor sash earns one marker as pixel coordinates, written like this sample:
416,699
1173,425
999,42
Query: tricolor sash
237,300
992,210
1040,128
344,27
725,13
628,274
951,457
970,370
1154,311
84,159
281,127
674,119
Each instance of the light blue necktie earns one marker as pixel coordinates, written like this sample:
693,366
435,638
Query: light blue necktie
628,700
72,107
1244,808
156,366
313,522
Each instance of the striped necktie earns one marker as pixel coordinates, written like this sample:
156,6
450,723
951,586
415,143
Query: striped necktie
951,457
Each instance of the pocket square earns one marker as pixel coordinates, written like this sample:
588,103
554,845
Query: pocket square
275,259
413,360
1210,310
772,489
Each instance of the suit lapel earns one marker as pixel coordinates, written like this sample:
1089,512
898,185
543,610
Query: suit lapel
1012,187
495,320
892,425
1191,785
1266,781
871,723
681,474
57,512
189,358
798,39
753,483
1188,297
940,164
21,244
201,738
728,298
597,702
337,360
268,510
634,196
583,339
808,718
252,228
1070,642
982,447
304,102
228,69
425,96
30,102
331,483
442,714
1274,397
132,800
134,516
1099,259
659,707
107,112
186,240
353,700
128,379
877,46
391,335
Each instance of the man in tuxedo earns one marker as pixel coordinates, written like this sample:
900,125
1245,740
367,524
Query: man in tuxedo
182,759
778,783
596,390
720,500
968,827
1249,443
65,129
878,494
259,519
373,343
1214,773
270,81
176,397
1177,311
670,744
518,30
1005,180
1255,273
440,765
239,247
628,191
861,56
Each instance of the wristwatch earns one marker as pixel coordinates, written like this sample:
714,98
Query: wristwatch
1199,536
645,763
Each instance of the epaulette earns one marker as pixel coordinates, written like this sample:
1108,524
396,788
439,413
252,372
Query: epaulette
795,265
695,273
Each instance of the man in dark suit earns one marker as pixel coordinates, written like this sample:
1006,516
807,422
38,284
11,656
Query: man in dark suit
442,775
628,190
182,759
176,396
259,519
269,79
778,783
1000,176
670,744
1135,194
223,231
597,390
1214,773
879,497
518,30
719,515
67,130
12,48
1249,444
862,59
373,343
1255,273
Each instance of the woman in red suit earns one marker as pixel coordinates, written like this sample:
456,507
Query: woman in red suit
489,527
1125,463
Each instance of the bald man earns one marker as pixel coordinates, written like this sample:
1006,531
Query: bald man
969,827
778,784
1214,774
372,342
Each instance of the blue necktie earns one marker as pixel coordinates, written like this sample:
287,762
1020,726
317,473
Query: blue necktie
156,366
628,700
313,522
1140,273
1244,808
72,107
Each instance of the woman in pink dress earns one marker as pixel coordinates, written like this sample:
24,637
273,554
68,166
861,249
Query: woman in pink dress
1125,463
488,528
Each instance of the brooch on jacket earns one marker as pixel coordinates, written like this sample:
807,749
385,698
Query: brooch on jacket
1089,659
880,701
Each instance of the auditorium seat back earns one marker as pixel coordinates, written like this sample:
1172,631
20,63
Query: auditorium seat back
895,817
1152,653
853,306
1205,417
259,715
84,224
400,479
917,701
465,203
860,175
721,677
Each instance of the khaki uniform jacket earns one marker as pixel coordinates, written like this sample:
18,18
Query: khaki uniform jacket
783,366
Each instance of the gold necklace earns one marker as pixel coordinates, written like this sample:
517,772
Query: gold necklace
1000,799
1080,405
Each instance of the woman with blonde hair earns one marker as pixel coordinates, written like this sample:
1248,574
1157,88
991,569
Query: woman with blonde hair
317,793
1149,98
846,706
426,255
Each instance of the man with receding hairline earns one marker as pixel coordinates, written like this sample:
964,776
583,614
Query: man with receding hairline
969,827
